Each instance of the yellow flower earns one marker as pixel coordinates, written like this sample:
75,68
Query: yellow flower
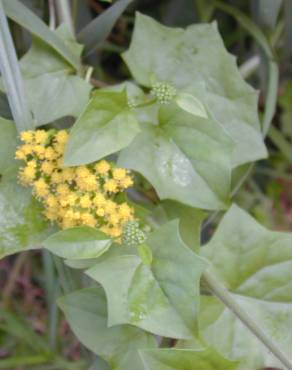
68,174
119,173
47,167
90,183
40,136
110,206
51,214
99,200
100,212
32,163
19,154
56,177
39,151
67,223
114,218
88,219
111,186
27,136
126,182
50,154
63,189
28,175
41,188
71,196
85,201
27,149
71,199
82,171
125,211
62,137
102,167
52,201
115,232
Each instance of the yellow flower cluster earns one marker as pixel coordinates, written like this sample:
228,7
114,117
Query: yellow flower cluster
73,196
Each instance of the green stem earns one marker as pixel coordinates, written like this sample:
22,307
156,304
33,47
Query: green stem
64,12
223,294
65,280
52,292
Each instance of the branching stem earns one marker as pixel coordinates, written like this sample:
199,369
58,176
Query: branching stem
219,290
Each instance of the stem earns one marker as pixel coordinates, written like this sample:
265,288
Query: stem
223,294
65,280
52,292
52,16
64,12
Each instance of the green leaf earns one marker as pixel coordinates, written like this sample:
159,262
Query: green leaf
21,224
27,19
106,126
86,313
98,30
145,305
182,359
255,264
185,158
187,57
8,143
54,90
190,220
162,299
78,243
191,104
12,78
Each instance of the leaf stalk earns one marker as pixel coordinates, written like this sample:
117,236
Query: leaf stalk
220,291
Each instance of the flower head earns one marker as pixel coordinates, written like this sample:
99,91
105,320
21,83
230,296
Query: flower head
73,196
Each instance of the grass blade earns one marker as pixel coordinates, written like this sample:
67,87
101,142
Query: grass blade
28,20
98,30
12,78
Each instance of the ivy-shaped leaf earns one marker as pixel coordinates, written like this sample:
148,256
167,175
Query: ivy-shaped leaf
78,243
106,126
125,347
162,298
86,312
192,56
190,220
186,158
54,90
21,224
256,266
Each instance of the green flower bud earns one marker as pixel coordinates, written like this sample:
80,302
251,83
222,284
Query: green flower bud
132,234
163,92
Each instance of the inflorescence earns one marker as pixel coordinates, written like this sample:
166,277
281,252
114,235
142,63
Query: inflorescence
163,92
73,196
